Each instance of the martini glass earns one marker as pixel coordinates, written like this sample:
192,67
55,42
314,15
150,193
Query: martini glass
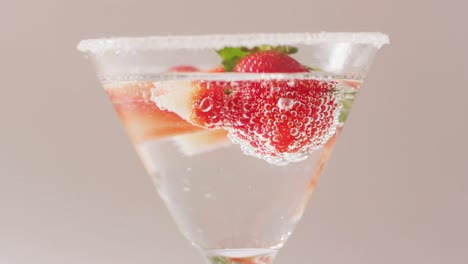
234,130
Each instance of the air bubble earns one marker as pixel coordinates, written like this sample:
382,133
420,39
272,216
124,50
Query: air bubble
275,89
294,132
308,120
318,116
285,103
206,104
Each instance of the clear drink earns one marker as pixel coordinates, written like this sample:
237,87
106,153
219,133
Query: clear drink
226,201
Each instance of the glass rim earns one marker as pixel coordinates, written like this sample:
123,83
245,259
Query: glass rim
218,41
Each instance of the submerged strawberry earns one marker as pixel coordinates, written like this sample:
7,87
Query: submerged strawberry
183,68
274,119
279,120
291,117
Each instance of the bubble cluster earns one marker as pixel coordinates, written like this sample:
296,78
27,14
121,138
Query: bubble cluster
280,121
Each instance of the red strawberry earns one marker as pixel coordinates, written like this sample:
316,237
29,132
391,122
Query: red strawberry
279,120
216,70
271,61
183,68
289,117
272,119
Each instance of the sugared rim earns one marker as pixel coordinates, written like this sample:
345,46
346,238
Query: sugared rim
198,42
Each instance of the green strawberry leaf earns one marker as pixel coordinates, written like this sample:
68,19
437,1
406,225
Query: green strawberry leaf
347,103
222,260
283,49
312,69
218,260
231,55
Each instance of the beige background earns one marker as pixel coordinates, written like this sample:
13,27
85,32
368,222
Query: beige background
72,191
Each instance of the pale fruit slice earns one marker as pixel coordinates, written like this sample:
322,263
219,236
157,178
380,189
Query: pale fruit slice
201,142
175,96
141,117
352,83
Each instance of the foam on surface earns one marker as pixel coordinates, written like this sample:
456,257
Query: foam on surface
198,42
